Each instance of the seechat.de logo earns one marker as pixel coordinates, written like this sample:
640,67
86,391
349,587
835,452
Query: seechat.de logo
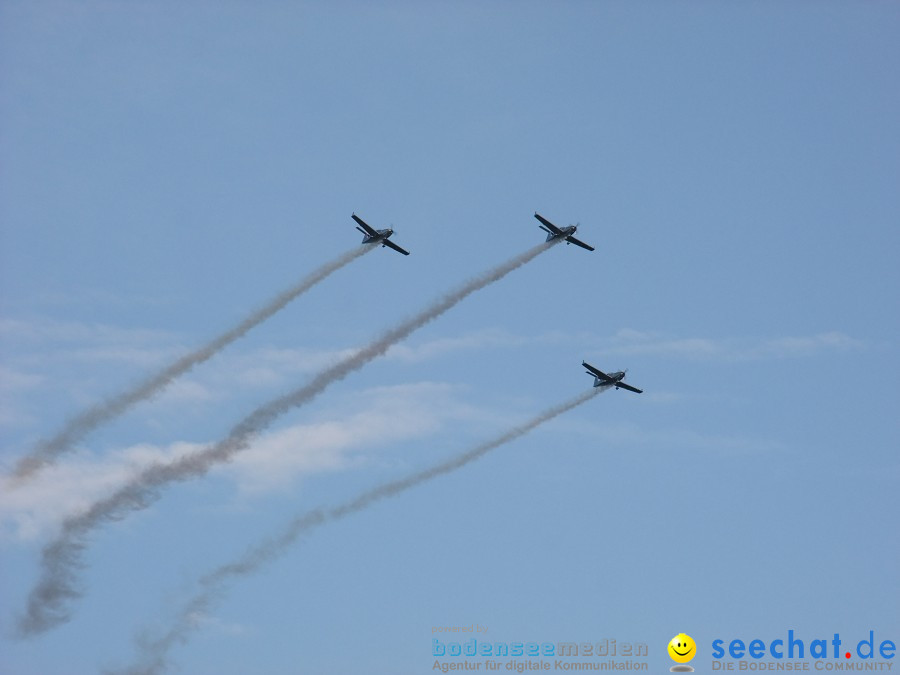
682,649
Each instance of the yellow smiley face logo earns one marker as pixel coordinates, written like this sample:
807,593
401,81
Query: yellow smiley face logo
682,648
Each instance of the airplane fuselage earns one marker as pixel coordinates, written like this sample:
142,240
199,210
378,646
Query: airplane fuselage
613,379
564,232
379,236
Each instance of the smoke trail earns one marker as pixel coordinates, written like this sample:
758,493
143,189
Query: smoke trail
80,425
154,653
60,558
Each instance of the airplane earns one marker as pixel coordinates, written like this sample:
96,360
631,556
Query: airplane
554,232
601,379
373,236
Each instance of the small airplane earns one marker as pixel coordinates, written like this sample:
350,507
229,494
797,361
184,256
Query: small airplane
373,236
554,232
601,379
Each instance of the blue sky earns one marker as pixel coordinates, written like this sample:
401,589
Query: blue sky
169,167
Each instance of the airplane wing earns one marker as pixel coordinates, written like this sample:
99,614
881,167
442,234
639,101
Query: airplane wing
573,240
388,242
371,232
553,228
629,387
596,371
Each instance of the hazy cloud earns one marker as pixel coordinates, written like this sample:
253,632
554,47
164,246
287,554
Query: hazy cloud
367,420
631,342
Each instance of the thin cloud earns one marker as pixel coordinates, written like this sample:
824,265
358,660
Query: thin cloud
788,347
381,416
17,380
631,342
486,339
37,508
623,434
46,330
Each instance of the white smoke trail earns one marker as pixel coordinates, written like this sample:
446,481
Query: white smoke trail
154,654
80,425
61,558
